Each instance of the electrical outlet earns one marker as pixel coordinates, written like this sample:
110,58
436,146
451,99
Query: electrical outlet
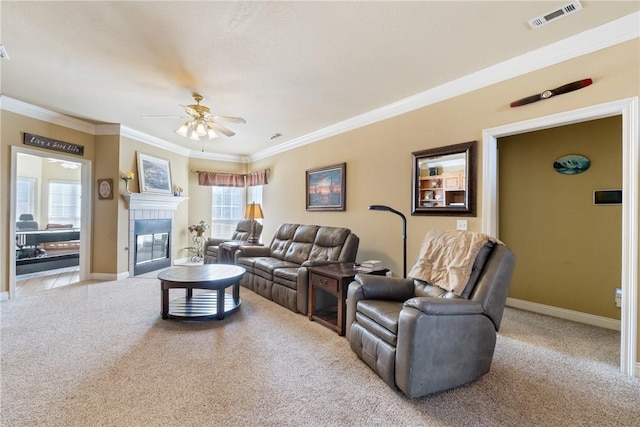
462,225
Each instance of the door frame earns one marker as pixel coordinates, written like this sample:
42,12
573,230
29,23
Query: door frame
628,109
85,211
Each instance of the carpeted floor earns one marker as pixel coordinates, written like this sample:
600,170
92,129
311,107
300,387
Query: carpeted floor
99,354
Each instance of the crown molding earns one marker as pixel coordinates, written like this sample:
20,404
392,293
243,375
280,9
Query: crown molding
218,156
39,113
153,141
604,36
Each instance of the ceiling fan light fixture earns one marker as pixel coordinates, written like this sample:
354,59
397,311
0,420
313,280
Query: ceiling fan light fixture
183,130
212,133
201,123
200,129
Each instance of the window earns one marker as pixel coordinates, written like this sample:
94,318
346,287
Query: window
64,202
26,196
228,206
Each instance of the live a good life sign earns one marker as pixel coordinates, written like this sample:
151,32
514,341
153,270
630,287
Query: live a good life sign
53,144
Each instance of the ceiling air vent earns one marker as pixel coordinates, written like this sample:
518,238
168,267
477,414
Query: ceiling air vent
565,10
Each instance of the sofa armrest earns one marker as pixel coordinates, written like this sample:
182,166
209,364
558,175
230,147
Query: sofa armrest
213,241
317,262
371,286
386,288
252,251
445,306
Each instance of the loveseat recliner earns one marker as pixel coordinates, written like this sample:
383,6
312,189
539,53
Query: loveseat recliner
278,271
241,233
426,337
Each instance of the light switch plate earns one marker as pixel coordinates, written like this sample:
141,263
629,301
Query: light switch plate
462,225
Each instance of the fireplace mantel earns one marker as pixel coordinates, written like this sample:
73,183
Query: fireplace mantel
152,201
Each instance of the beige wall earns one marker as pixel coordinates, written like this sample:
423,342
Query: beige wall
179,176
106,215
378,156
569,250
12,130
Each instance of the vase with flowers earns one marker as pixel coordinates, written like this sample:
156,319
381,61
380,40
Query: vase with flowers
198,240
126,177
199,228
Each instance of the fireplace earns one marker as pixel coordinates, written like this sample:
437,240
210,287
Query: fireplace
151,218
151,245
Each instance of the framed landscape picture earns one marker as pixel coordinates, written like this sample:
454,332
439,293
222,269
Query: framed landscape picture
326,188
154,174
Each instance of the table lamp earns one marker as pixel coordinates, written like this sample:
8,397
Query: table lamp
253,212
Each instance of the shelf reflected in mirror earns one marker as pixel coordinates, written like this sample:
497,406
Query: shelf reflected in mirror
444,180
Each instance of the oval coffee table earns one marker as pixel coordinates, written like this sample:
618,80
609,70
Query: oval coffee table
216,277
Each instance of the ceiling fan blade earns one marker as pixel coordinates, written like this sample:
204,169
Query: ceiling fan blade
230,119
223,130
570,87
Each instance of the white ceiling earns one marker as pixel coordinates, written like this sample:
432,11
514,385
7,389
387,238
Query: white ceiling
291,68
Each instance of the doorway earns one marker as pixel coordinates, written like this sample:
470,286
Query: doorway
628,109
54,191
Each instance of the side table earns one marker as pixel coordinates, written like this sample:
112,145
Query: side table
227,250
328,293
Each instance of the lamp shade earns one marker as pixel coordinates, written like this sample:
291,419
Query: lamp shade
254,210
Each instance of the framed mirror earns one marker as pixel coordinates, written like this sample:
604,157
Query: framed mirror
444,180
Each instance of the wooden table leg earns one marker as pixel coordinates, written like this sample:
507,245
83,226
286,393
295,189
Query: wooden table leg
236,293
164,309
220,304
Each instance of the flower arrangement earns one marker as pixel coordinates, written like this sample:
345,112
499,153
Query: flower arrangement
126,177
199,228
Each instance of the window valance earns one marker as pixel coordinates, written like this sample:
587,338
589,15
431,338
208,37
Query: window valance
257,178
220,179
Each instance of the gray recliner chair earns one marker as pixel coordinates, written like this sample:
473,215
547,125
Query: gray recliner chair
242,232
424,339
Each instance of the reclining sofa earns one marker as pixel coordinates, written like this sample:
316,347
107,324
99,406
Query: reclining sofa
278,271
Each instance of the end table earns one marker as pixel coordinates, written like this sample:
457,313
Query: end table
328,293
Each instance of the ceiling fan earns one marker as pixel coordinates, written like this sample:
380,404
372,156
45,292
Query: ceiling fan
201,123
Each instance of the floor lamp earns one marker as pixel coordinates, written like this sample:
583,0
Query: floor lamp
404,232
254,210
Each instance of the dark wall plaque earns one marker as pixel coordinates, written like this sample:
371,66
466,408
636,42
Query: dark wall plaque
53,144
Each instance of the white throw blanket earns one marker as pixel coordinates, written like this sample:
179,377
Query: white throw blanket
446,258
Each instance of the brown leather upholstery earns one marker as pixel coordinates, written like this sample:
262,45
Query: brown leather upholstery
279,271
242,232
423,339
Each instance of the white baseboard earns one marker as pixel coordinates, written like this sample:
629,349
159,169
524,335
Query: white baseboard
4,296
563,313
108,277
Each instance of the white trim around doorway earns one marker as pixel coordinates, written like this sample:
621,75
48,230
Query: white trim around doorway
628,109
86,213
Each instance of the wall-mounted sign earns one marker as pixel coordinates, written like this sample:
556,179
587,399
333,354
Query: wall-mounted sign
53,144
571,164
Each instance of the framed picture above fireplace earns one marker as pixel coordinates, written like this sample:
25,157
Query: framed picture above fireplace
154,174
